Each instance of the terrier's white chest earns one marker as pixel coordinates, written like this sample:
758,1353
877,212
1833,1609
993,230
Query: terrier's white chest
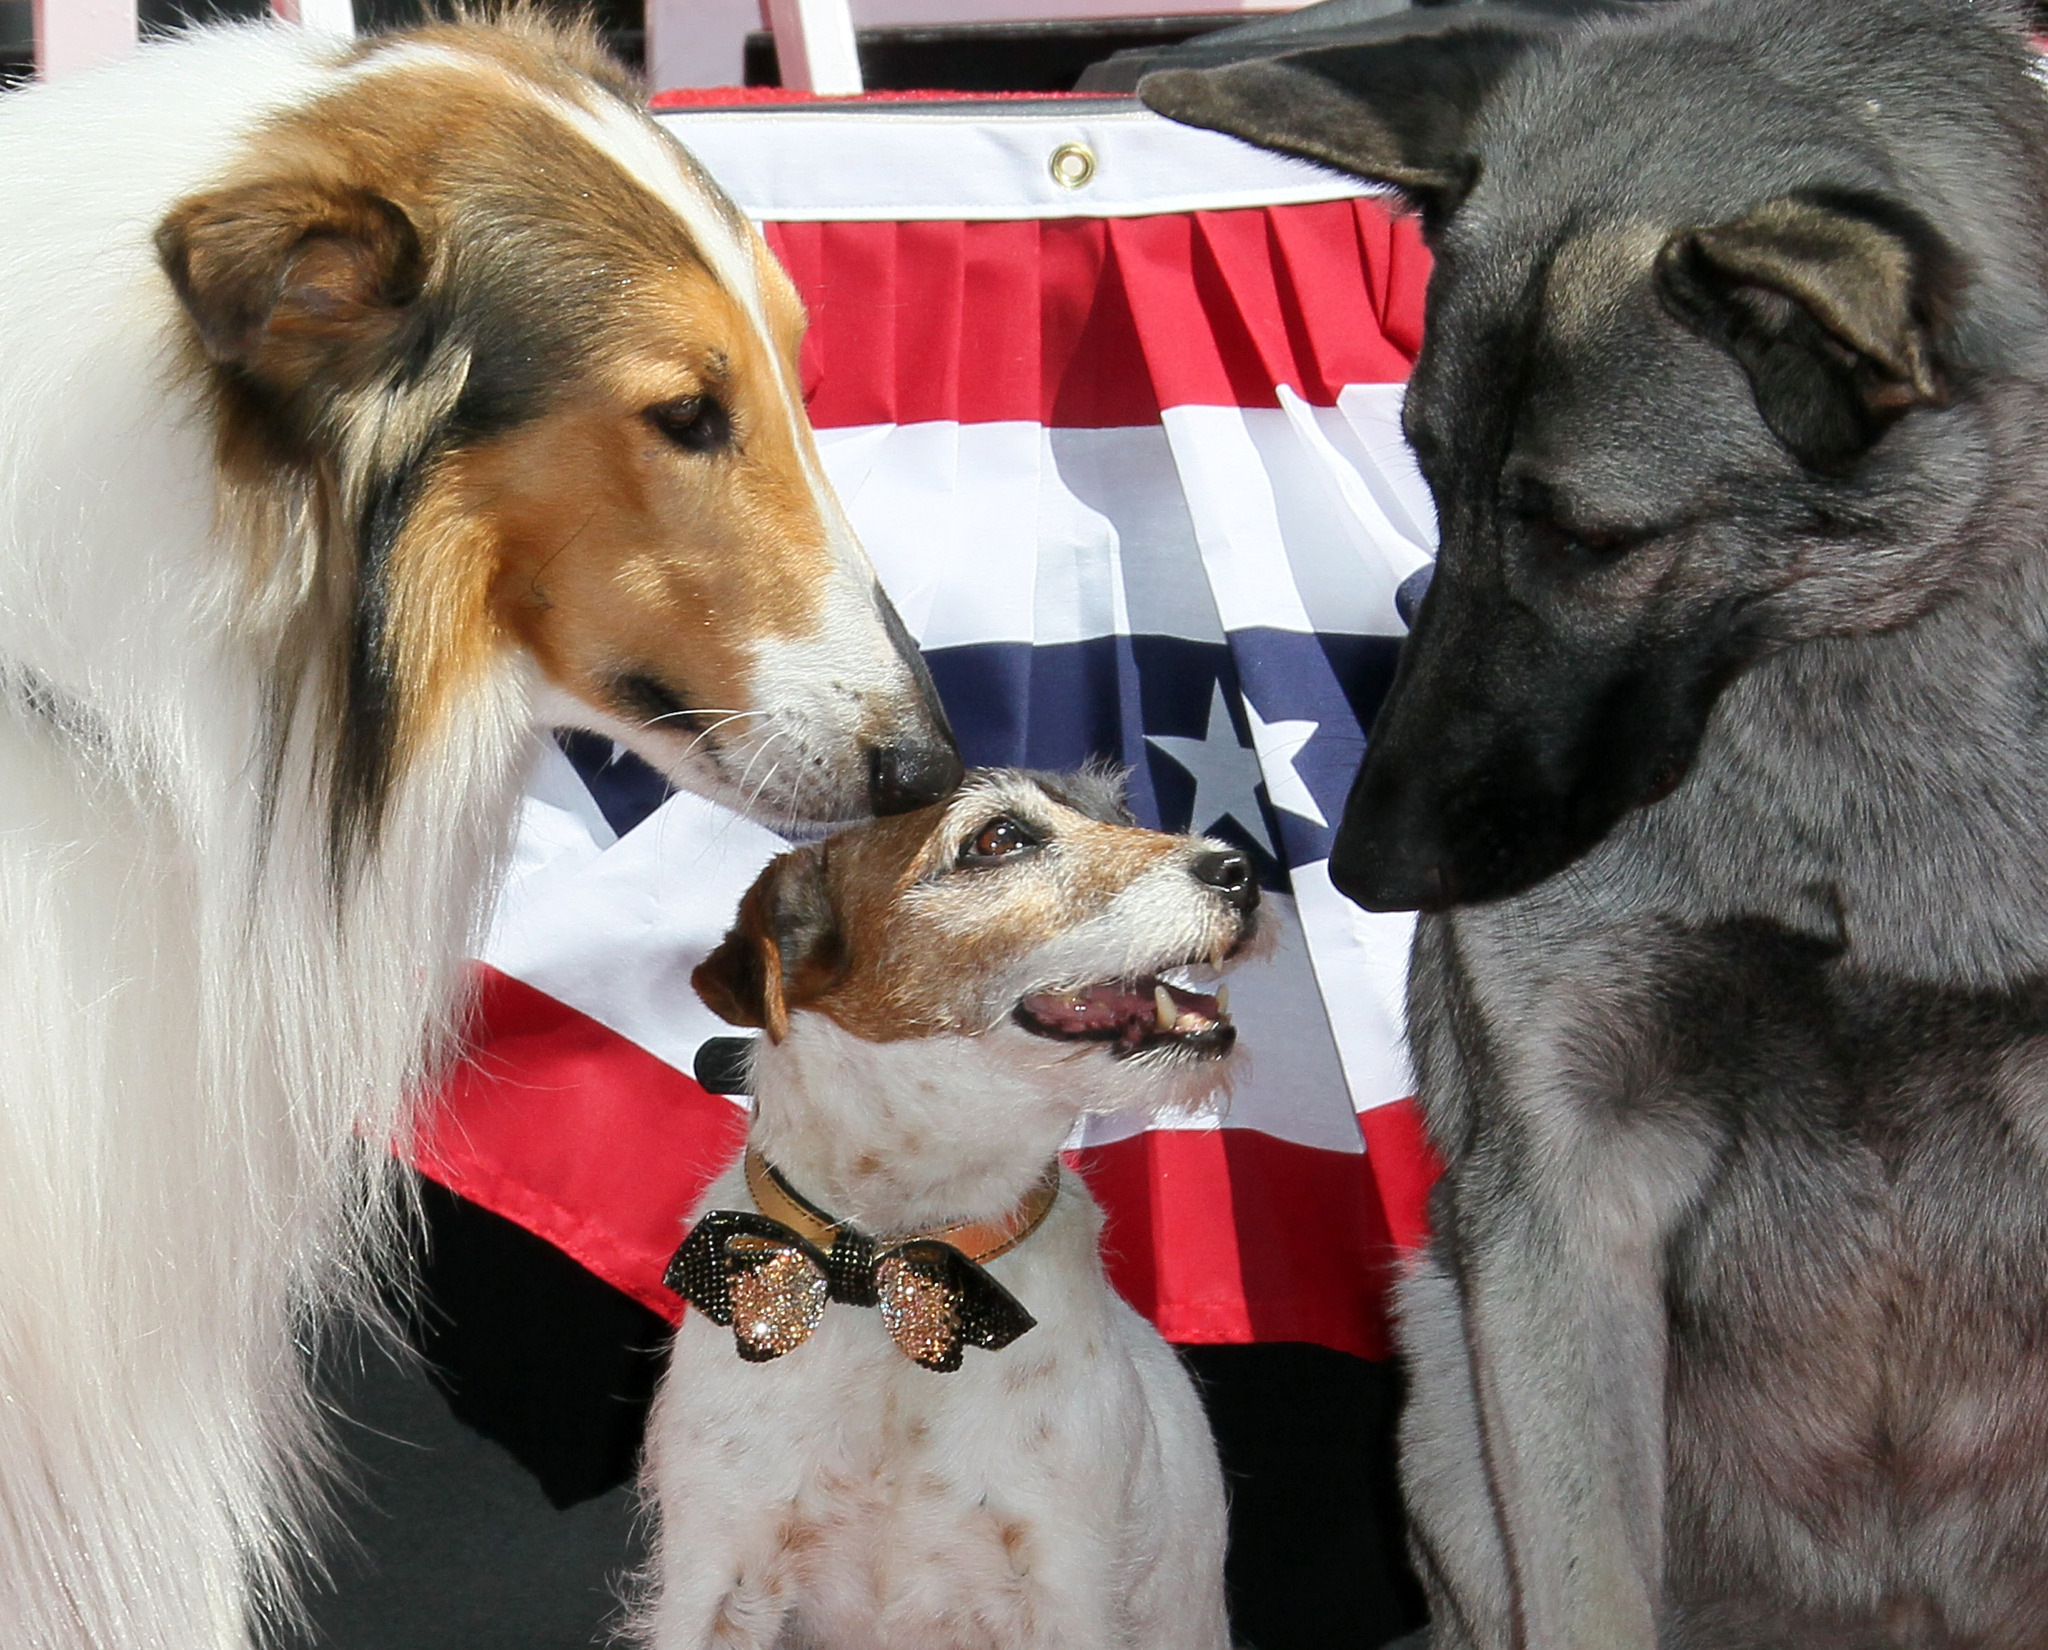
1062,1491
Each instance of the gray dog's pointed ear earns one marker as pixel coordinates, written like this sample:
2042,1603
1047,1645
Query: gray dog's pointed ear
1395,111
785,949
1833,306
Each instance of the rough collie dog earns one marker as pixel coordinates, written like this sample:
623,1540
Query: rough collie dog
358,400
1001,1453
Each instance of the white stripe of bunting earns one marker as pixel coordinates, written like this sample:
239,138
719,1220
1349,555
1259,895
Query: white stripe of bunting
1074,534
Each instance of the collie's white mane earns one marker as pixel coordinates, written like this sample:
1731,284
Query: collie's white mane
203,1051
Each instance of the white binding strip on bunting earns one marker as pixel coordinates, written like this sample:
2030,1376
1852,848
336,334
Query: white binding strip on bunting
933,163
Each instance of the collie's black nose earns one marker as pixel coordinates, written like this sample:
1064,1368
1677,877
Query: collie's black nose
1230,874
903,777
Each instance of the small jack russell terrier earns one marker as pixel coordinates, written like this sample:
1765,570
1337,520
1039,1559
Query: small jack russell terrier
1002,1454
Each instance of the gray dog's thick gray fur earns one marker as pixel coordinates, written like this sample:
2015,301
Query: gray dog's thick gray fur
1734,1331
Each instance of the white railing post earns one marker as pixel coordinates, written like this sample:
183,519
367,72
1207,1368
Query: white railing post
699,42
328,16
81,34
814,45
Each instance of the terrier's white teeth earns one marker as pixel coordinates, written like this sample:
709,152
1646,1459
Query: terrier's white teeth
1190,1022
1162,1003
1223,1001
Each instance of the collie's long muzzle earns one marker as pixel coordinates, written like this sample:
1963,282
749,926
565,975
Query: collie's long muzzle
920,763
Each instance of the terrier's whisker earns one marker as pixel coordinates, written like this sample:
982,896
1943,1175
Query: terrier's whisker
774,736
729,717
708,710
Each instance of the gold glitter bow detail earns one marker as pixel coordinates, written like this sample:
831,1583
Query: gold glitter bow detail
769,1282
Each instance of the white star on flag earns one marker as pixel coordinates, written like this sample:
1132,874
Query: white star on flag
1278,744
1226,785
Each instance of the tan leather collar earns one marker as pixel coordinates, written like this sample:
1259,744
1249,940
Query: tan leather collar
978,1240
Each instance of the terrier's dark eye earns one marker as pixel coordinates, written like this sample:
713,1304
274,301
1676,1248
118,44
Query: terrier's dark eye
999,839
695,423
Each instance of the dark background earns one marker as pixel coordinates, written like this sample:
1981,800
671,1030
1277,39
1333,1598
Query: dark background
450,1544
512,1526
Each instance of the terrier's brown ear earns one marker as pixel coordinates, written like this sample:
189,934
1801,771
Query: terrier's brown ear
1833,305
785,949
288,278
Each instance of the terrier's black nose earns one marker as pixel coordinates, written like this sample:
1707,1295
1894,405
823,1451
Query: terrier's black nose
1230,874
903,777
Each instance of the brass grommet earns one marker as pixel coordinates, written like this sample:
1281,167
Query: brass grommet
1072,165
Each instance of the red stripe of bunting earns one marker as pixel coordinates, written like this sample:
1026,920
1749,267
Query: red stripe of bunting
1089,323
1219,1236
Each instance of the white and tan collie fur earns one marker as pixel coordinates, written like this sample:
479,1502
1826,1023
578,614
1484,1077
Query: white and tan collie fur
944,995
356,401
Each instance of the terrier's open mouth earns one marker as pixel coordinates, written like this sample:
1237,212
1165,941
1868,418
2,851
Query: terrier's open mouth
1133,1016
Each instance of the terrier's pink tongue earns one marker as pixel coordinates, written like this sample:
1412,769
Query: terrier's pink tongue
1132,1009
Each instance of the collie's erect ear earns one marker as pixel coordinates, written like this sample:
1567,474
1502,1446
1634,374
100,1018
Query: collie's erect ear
1831,303
1396,111
285,278
785,949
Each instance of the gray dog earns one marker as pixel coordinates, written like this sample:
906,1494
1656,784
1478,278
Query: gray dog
1719,760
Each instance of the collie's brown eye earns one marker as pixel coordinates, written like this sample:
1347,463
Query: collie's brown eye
998,839
695,423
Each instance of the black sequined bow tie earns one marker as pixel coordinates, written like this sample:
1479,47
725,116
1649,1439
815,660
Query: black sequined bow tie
769,1281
